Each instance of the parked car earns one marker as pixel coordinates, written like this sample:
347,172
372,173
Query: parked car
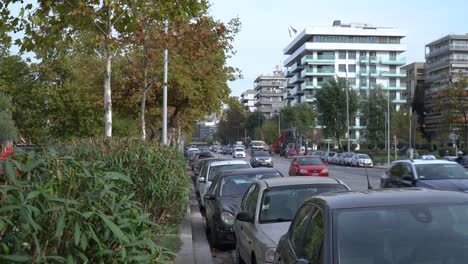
261,158
238,152
361,160
266,212
340,159
224,197
347,158
210,170
308,166
201,163
438,174
335,158
329,157
199,156
413,225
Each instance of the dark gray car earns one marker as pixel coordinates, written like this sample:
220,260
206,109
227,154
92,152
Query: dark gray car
261,159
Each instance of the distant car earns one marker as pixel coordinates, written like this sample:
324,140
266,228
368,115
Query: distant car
340,159
437,174
201,163
329,157
238,152
383,226
261,159
224,197
347,158
308,166
211,169
266,212
361,160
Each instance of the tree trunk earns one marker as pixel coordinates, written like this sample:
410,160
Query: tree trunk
142,114
145,88
107,94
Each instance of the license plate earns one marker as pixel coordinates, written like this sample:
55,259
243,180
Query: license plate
315,174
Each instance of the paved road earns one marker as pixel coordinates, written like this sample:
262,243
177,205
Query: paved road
355,178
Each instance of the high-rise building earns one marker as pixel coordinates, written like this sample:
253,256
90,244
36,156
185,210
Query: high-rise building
444,58
414,77
247,99
366,55
269,92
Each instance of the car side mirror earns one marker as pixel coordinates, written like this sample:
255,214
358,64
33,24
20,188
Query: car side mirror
209,196
301,261
408,177
201,179
245,217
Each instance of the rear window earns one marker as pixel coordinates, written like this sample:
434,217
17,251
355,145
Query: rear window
441,171
363,156
217,169
310,161
240,149
261,153
238,184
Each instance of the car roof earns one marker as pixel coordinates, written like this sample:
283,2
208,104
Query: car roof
308,156
299,180
388,197
227,162
248,171
426,161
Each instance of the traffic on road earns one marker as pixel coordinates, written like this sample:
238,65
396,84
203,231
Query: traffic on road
285,209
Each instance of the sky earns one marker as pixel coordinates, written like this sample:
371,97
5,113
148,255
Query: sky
265,23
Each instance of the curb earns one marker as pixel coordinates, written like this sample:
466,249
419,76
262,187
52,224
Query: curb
201,249
185,254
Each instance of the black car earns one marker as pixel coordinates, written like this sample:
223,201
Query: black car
437,174
224,197
384,226
261,159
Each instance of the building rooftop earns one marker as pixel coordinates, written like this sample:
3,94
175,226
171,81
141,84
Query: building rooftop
451,36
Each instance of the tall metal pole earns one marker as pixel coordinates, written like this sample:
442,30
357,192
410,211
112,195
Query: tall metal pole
410,126
347,106
388,126
279,123
164,129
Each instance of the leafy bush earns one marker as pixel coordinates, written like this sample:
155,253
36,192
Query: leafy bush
61,209
443,151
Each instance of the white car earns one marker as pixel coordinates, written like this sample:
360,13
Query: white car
238,153
210,170
267,210
361,160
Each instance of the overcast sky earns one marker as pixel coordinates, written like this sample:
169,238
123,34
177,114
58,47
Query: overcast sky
265,24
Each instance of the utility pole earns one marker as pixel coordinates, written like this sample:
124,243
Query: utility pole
166,57
347,106
410,126
388,126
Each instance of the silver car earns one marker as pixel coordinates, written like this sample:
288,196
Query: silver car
267,210
211,169
361,160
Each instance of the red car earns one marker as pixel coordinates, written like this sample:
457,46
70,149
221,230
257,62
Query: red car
308,166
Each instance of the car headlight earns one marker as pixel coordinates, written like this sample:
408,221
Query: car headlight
270,254
303,171
325,170
227,218
269,160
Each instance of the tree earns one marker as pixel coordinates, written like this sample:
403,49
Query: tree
453,104
301,117
418,105
7,126
331,106
373,108
253,120
229,128
269,131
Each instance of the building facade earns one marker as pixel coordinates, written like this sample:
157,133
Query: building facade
247,99
414,77
269,93
445,57
366,55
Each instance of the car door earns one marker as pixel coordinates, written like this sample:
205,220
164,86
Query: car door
210,205
293,167
314,236
394,175
248,204
202,174
295,235
406,170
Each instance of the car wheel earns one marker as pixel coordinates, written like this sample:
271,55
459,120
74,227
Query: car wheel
239,259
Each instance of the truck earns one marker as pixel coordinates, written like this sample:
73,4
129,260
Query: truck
258,145
286,143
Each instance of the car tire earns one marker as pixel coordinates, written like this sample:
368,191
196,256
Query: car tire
239,259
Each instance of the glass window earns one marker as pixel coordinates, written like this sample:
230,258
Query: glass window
246,198
352,55
441,171
342,68
395,170
310,161
314,238
392,68
372,82
214,170
362,67
342,55
252,202
237,185
298,227
363,81
392,82
352,81
362,54
351,68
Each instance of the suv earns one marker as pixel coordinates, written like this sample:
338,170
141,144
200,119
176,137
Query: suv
437,174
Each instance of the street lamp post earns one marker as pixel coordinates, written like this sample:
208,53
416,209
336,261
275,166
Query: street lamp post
347,107
388,126
166,57
279,122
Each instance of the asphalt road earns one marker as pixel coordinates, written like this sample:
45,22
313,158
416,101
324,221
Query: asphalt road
354,177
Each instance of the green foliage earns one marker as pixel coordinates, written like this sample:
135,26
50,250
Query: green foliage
7,126
74,210
443,151
331,106
268,131
373,108
230,128
301,117
253,121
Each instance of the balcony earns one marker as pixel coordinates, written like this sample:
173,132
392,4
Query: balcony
310,98
311,85
320,59
289,96
296,79
401,87
289,85
372,59
399,101
401,73
319,72
296,68
269,93
364,86
289,73
393,61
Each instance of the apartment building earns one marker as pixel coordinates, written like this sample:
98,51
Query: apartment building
366,55
444,58
269,92
414,77
247,99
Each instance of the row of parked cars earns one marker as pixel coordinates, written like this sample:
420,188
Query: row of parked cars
346,158
275,219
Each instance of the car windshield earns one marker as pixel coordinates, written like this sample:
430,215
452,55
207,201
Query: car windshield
405,234
280,204
441,171
214,170
240,149
257,144
363,156
261,154
310,161
238,184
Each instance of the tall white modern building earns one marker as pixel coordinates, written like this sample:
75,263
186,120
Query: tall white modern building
247,99
364,54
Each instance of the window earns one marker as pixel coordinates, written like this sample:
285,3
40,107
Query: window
298,227
373,68
342,68
252,201
247,195
352,55
392,82
314,238
372,53
363,82
393,68
351,68
362,54
372,82
352,81
392,55
342,55
363,68
395,170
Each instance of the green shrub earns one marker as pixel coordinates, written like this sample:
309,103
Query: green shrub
444,150
62,209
